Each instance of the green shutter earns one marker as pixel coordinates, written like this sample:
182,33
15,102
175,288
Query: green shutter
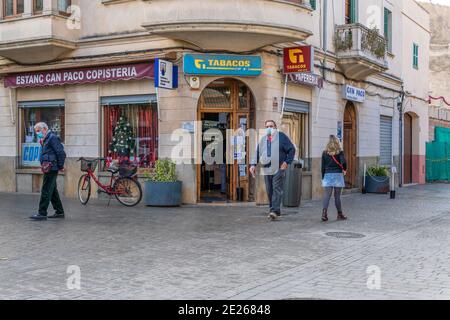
416,56
388,28
386,23
313,4
353,14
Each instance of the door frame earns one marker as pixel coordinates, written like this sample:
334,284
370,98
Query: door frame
410,118
236,113
352,160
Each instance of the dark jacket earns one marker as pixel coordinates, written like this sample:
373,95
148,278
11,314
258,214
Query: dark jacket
53,151
330,166
286,149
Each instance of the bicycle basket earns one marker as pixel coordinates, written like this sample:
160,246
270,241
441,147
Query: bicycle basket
127,170
88,164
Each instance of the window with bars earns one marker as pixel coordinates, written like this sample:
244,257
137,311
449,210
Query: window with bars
415,56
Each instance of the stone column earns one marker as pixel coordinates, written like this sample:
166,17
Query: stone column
28,8
50,7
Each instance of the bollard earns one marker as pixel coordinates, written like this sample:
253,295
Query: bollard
392,182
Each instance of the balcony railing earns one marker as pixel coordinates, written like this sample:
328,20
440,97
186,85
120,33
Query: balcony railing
360,50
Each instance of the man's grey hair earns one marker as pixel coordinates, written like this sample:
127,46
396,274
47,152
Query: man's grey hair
41,126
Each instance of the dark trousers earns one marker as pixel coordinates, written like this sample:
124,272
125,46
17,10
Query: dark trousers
274,189
337,198
49,194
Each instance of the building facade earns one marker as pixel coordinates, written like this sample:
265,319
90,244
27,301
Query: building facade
439,67
85,66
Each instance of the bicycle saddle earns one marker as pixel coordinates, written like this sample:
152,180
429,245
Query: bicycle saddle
113,169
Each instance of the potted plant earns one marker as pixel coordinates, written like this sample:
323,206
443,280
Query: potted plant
162,188
377,180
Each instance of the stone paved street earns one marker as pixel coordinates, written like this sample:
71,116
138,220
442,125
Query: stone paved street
230,252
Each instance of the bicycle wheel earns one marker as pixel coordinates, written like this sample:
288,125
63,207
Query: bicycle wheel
84,189
129,191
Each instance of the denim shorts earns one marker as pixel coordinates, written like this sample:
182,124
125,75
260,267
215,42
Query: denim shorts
335,180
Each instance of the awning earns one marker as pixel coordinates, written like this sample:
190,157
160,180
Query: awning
42,104
122,100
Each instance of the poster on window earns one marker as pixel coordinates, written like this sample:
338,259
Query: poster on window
31,154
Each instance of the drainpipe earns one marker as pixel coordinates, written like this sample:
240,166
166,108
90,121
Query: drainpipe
13,120
325,26
400,147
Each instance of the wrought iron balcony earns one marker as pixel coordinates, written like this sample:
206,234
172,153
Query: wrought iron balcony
361,51
233,25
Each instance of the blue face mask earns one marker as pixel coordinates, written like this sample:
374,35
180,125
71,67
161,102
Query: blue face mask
40,135
269,131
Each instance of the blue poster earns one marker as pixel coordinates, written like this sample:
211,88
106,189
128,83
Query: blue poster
220,64
31,153
339,130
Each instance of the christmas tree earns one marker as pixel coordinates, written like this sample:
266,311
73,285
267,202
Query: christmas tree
123,141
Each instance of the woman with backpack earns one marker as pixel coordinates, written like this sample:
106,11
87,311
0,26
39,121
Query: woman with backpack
334,168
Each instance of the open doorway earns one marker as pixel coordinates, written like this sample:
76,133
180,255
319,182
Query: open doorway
226,110
215,175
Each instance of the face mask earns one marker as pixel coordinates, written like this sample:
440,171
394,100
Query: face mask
270,131
40,135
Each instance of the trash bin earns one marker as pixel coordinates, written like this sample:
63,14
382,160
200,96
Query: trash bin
292,193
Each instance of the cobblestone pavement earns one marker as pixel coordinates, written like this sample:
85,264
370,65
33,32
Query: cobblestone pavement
204,252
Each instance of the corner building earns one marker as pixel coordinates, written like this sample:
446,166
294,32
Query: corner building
81,65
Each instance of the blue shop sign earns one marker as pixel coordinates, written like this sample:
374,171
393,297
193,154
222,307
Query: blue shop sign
222,65
31,153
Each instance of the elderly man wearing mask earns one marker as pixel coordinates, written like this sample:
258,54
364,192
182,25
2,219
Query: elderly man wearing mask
52,161
275,152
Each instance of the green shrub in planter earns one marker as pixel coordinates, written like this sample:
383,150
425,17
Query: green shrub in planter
162,189
377,180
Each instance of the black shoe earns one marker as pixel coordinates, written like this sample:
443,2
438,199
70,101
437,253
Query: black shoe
57,216
38,217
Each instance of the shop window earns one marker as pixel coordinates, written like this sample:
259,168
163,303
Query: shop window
296,126
13,7
52,113
140,124
245,97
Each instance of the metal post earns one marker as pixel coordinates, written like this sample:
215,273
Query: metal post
284,97
400,110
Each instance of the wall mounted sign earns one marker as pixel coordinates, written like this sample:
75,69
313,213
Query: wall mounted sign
354,94
222,65
79,76
166,74
298,59
31,153
308,79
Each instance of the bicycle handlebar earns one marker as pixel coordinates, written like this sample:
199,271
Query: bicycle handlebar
101,159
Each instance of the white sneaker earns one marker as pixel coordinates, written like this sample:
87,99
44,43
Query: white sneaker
273,216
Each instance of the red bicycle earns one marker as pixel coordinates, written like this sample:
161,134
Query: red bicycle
123,183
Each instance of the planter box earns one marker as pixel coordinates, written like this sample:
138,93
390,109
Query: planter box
377,184
162,194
